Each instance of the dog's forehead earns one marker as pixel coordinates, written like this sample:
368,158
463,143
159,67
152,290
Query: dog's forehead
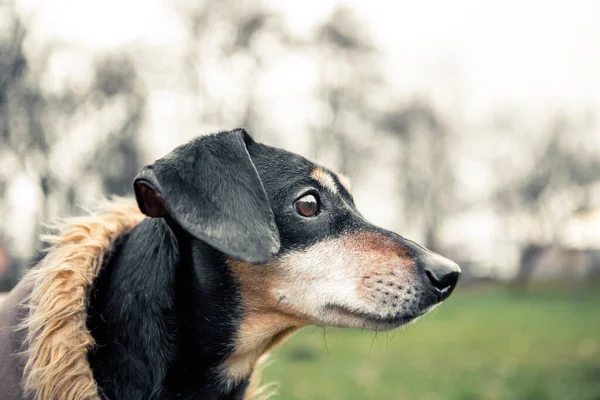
279,167
268,158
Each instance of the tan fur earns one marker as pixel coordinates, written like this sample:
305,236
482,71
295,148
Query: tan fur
255,391
324,179
262,329
57,338
259,334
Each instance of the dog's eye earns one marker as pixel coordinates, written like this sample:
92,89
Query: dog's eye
307,206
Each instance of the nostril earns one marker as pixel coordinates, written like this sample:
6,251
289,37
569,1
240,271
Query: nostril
451,279
443,281
431,277
441,272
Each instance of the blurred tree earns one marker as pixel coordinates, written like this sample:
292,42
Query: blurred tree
21,109
117,160
349,78
563,170
562,175
424,171
38,127
228,46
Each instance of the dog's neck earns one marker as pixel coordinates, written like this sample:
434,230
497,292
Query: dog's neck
165,312
207,306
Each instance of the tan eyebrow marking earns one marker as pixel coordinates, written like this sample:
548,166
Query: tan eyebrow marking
324,179
345,182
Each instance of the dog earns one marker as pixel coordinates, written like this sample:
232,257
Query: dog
240,245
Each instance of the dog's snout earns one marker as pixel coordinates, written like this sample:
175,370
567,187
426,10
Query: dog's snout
442,273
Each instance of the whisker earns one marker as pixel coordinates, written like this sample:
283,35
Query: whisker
311,332
373,342
325,340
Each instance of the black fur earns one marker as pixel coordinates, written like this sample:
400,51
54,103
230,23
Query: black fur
213,191
163,313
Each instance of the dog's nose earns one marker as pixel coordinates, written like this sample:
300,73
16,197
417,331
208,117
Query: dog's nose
442,273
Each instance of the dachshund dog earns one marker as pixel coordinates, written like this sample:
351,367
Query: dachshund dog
242,244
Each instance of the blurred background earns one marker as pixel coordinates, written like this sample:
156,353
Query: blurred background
472,127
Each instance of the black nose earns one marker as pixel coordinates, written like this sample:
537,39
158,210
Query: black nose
442,273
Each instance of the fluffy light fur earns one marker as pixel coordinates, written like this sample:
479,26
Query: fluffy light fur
57,339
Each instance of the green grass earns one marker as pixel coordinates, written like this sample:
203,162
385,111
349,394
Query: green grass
486,344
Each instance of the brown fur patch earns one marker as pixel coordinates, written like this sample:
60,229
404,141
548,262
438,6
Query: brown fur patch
379,256
265,324
324,179
57,338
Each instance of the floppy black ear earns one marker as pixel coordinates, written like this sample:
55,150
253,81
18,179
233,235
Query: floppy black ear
211,188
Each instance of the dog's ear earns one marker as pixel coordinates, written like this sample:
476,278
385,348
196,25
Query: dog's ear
211,188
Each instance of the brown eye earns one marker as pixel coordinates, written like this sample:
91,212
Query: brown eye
307,206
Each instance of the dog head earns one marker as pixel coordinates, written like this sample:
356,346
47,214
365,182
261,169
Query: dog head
298,248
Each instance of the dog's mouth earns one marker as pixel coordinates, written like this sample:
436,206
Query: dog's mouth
371,321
